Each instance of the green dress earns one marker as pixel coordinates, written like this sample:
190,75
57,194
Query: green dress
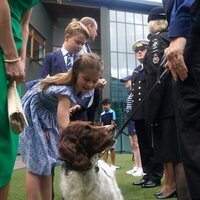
9,140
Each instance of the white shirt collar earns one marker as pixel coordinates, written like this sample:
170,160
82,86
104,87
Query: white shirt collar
64,51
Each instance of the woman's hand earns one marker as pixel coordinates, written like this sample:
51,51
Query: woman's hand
14,66
15,71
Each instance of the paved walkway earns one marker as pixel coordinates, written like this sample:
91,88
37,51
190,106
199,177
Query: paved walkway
19,164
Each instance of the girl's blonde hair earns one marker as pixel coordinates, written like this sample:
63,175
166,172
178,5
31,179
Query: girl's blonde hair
86,61
156,26
76,27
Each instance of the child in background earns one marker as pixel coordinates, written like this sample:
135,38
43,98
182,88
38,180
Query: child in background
48,105
108,117
137,170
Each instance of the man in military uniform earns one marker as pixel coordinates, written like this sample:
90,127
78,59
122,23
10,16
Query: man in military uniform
153,171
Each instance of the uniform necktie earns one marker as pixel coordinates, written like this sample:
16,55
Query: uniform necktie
69,61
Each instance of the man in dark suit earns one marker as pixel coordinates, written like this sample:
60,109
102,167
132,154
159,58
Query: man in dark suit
153,171
183,60
92,27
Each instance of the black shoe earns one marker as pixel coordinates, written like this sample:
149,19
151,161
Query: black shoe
162,196
150,184
141,182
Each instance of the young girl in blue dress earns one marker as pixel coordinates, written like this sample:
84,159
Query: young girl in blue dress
48,105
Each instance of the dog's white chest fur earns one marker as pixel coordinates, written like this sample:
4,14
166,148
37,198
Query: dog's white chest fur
90,185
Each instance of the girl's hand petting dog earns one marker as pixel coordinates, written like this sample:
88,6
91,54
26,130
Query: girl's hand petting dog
101,83
74,109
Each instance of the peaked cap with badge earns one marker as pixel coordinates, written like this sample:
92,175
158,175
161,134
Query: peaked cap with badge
140,44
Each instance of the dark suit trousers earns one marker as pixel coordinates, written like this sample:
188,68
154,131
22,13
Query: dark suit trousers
188,117
153,170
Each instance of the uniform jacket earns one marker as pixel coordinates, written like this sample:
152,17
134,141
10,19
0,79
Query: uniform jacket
54,63
160,103
138,91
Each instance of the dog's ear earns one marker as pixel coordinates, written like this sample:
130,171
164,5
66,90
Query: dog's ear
71,150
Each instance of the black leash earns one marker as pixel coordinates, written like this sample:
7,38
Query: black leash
159,81
118,128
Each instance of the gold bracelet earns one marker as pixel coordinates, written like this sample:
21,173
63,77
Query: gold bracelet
13,60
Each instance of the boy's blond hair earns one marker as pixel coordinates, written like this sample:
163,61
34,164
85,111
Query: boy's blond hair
76,27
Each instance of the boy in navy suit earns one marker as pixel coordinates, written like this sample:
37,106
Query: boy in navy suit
76,35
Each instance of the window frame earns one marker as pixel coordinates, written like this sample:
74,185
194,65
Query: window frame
35,37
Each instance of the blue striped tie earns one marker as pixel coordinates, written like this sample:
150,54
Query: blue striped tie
69,61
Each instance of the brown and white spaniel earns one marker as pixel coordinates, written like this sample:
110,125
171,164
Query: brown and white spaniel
84,176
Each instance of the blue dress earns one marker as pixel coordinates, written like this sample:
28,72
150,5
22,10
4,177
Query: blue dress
40,108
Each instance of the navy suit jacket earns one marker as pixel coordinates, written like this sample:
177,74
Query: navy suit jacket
54,63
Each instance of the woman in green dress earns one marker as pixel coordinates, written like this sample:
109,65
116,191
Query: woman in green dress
14,21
